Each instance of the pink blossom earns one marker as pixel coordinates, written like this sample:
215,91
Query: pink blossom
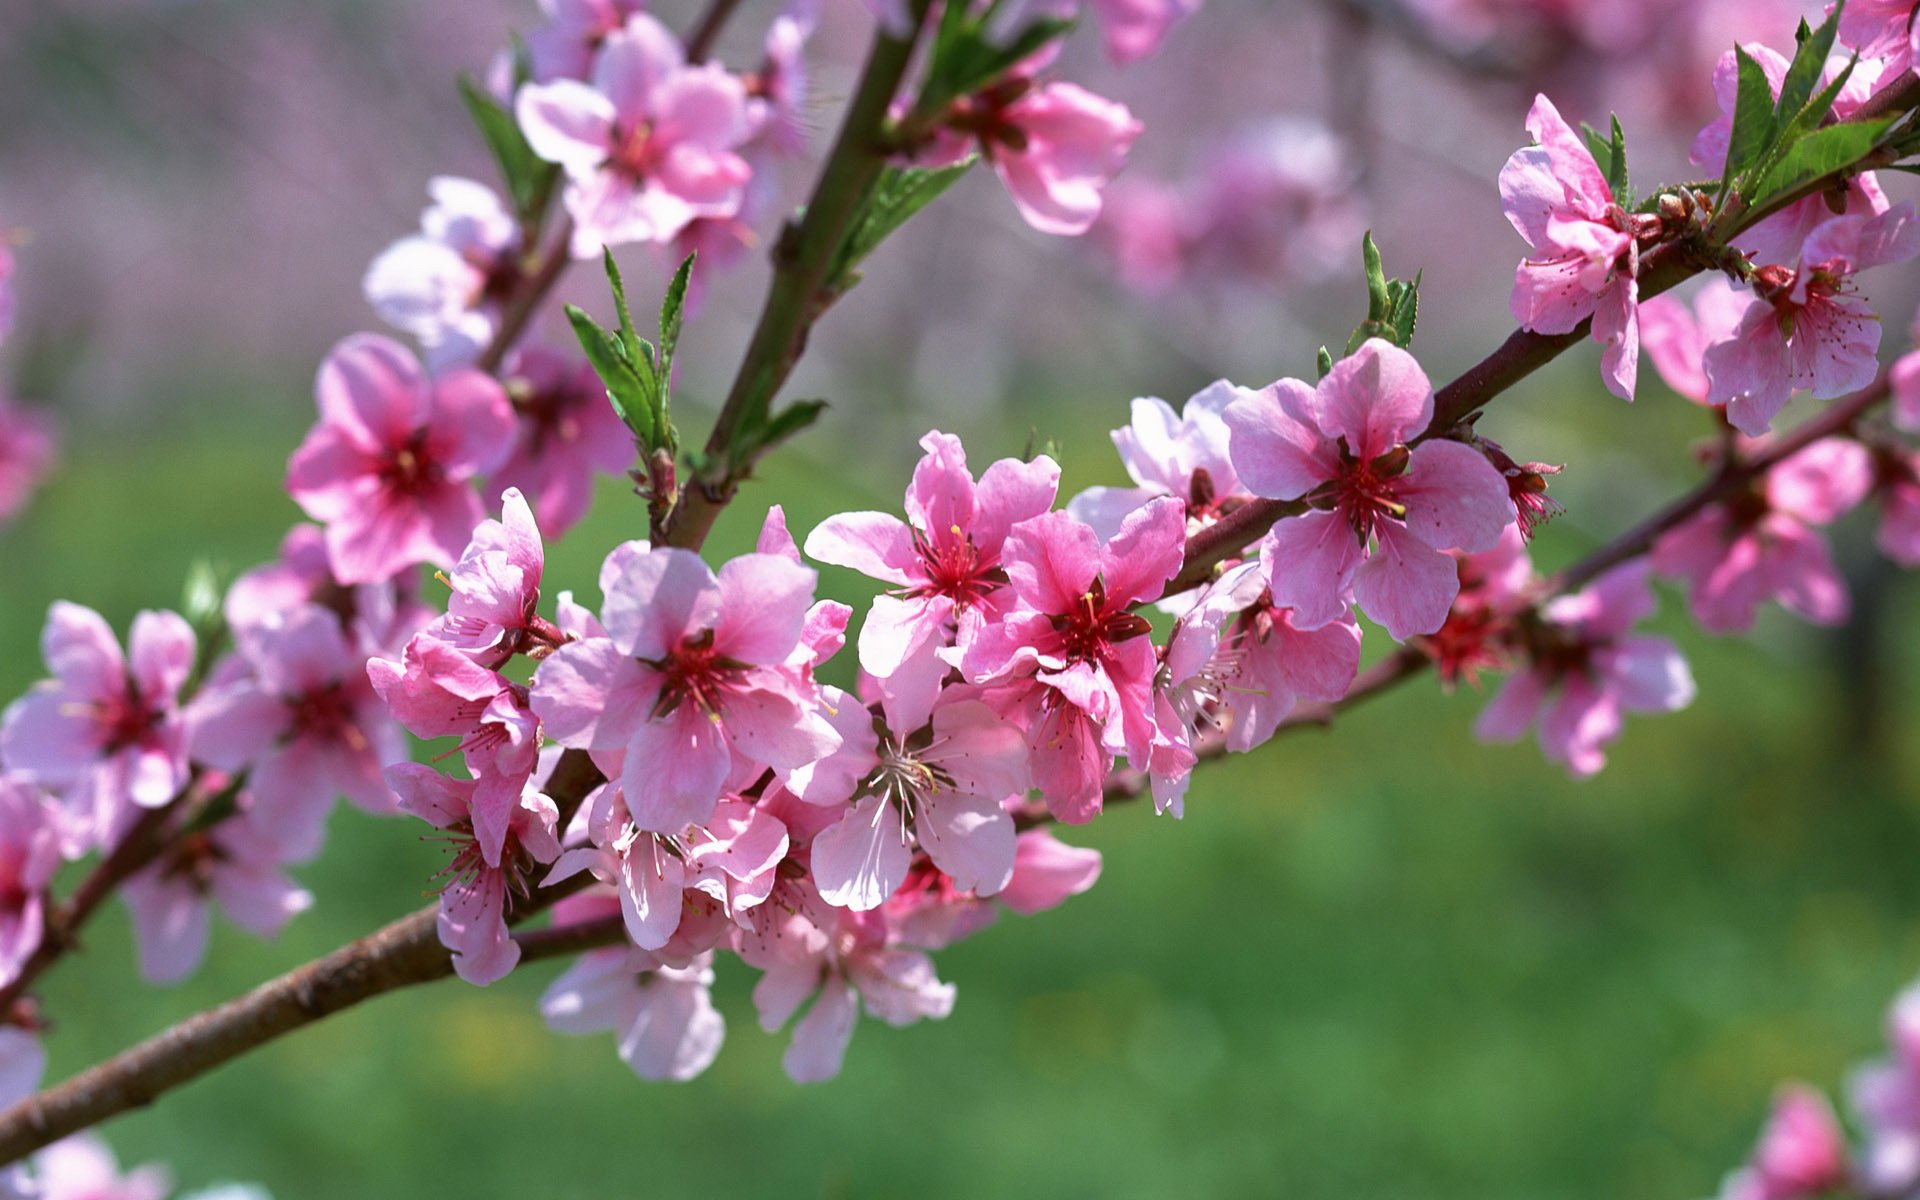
387,468
1494,586
840,960
1587,668
236,865
568,435
1147,226
1585,248
105,731
1808,328
663,1015
293,708
82,1168
29,855
1897,488
26,452
491,614
1887,1097
945,567
691,680
945,793
444,286
375,618
1676,337
1182,455
1905,381
436,691
1268,664
1801,1155
1279,198
649,146
564,47
1761,544
1055,146
1134,29
1071,661
1046,871
474,900
780,92
1381,515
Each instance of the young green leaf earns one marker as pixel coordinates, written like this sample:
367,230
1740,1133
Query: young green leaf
1617,164
628,390
1809,59
1753,120
1376,278
1405,309
895,197
529,178
672,315
1821,152
1323,362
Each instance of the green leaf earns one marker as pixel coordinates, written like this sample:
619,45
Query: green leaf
895,197
1824,151
1617,164
1405,309
673,314
966,58
1324,361
1753,121
629,394
529,178
1376,278
779,427
1809,59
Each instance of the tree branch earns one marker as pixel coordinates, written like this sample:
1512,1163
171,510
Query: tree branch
802,256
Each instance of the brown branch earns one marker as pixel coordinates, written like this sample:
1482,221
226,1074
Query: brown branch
700,41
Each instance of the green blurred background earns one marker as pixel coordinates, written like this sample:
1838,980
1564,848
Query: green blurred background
1384,961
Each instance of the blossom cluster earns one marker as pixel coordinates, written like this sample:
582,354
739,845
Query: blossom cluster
1797,321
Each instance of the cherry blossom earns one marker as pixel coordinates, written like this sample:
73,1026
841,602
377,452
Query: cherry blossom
663,1015
29,855
648,146
1801,1155
1071,662
690,681
444,286
387,468
568,436
26,452
1808,327
235,865
944,563
1183,455
294,709
106,731
1761,545
1585,248
475,897
1380,513
1585,669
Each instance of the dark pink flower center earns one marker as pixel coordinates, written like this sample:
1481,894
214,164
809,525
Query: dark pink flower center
1365,492
635,151
410,470
126,719
1090,626
326,715
193,861
956,569
696,673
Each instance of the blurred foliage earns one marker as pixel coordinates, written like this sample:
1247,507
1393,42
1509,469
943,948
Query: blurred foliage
1387,962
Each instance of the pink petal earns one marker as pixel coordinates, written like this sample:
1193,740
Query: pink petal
1377,397
862,859
1455,498
1405,585
1311,560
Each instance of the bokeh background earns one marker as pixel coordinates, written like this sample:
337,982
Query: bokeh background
1383,961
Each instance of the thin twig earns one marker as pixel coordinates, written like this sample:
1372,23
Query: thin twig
707,32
